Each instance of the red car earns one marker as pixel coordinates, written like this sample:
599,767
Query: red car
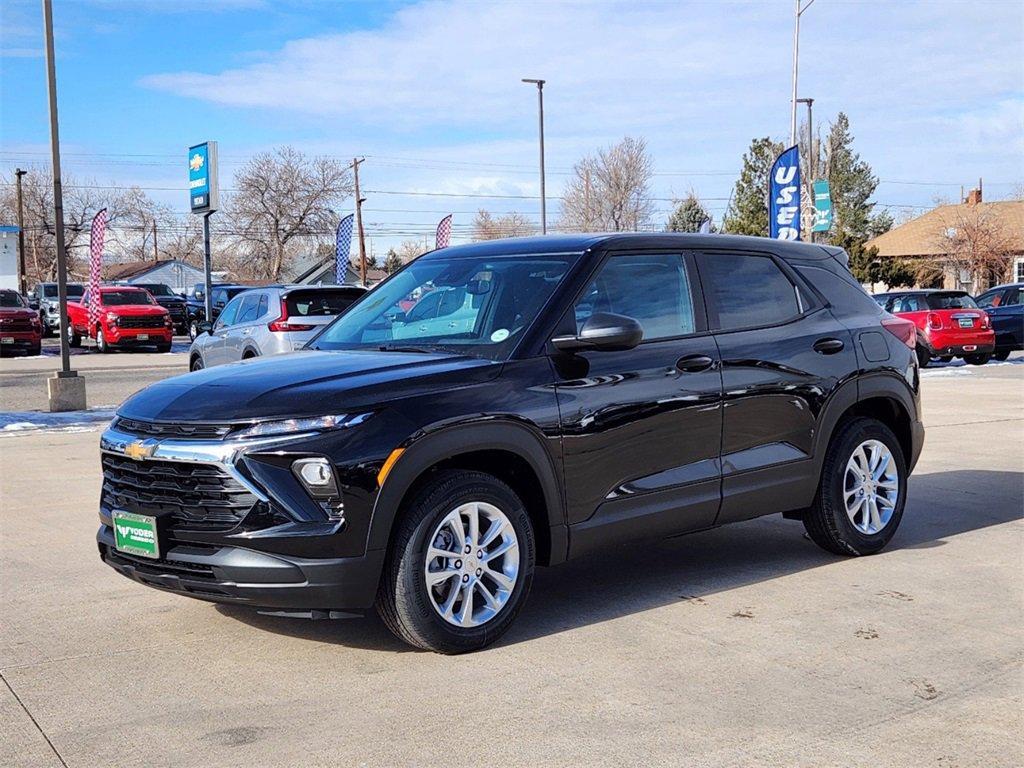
949,324
128,317
19,325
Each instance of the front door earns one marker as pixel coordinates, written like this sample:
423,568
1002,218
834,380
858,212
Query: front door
783,354
215,350
641,428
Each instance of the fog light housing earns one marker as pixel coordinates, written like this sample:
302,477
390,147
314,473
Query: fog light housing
317,475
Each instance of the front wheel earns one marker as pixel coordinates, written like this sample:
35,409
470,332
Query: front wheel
193,330
977,359
74,340
460,565
101,342
862,491
196,364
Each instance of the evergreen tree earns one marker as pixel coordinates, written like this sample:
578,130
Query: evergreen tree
689,216
748,211
392,262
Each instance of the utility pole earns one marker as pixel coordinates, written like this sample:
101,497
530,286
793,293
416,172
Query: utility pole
66,390
156,253
22,278
812,160
359,220
540,113
796,60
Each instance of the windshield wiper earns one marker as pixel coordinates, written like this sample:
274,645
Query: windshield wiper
397,348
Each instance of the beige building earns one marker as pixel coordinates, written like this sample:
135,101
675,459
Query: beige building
970,246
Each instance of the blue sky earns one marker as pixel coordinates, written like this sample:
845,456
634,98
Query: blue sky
430,92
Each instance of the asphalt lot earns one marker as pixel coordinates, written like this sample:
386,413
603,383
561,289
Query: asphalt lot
741,646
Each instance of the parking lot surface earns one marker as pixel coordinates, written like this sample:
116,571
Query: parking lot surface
745,645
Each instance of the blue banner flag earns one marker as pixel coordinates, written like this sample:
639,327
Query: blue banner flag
342,244
822,206
784,196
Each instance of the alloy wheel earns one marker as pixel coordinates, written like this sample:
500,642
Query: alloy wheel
472,564
871,487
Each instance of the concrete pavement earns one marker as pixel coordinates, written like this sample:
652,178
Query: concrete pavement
741,646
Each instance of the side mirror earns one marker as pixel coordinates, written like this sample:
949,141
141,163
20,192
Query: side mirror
604,331
205,327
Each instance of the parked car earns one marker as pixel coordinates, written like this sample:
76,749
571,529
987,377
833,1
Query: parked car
269,321
173,302
20,326
1005,307
610,388
949,324
44,298
128,317
220,295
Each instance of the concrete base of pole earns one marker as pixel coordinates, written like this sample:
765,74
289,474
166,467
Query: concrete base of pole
67,393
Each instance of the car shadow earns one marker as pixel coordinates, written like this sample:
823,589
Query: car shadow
632,578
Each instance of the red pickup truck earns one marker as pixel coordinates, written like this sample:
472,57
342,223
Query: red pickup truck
19,325
128,317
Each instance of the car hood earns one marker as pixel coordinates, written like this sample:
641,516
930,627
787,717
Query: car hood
133,309
17,313
306,383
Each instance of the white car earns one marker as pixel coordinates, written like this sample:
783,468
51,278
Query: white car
269,321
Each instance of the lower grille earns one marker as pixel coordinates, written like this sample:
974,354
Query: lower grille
194,497
152,323
161,566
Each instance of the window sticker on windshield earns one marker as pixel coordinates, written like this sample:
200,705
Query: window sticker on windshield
499,335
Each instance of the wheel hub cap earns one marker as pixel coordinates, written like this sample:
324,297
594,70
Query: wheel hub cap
871,487
472,564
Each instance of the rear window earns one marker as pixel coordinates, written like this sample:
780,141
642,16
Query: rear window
320,303
950,301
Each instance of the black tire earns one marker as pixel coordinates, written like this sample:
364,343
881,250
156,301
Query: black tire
946,359
74,340
1001,355
826,521
193,330
403,600
35,351
196,364
163,348
101,342
923,355
978,359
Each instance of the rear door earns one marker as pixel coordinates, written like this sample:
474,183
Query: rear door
641,427
782,355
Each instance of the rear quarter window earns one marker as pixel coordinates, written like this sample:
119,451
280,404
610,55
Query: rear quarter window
747,291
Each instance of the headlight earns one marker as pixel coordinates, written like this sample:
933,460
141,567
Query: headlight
113,318
287,426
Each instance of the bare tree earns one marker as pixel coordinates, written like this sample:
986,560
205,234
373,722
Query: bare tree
283,198
976,242
610,191
487,227
410,250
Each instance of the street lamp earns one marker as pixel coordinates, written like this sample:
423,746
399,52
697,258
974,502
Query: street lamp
812,159
800,8
543,200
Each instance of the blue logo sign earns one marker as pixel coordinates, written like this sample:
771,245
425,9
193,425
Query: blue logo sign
822,206
784,200
202,177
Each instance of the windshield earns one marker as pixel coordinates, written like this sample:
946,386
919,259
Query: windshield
121,298
473,306
10,299
950,301
157,289
74,291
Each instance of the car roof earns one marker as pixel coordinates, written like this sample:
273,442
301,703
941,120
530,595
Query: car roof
1003,287
555,244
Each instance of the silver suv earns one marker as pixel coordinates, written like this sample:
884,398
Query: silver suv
44,298
269,321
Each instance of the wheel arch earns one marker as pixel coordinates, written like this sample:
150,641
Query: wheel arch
512,452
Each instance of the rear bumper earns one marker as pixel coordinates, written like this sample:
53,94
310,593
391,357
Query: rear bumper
246,577
958,343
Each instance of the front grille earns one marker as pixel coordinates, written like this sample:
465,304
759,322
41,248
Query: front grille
195,497
154,429
153,323
18,325
177,311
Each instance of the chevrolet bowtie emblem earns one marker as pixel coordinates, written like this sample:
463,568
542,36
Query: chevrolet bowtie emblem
139,450
196,162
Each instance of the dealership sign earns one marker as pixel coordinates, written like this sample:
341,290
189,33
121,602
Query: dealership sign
784,196
203,191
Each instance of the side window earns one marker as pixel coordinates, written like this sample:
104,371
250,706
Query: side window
1013,298
227,315
248,310
263,307
748,291
654,290
990,299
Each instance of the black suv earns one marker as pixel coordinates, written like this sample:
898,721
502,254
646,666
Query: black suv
563,393
173,302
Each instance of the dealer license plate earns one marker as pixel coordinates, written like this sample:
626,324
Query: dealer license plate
135,534
966,322
7,340
144,336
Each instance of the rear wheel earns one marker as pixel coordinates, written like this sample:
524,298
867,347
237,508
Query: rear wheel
460,564
977,359
946,359
923,356
1001,355
862,491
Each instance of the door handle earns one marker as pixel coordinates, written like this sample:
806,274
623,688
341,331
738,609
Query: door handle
694,363
828,346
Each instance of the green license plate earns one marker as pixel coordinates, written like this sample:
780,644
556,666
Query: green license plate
135,534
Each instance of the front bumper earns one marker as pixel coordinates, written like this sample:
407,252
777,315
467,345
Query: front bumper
21,340
130,337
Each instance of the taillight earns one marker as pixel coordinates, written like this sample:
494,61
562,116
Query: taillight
986,322
934,321
904,330
282,325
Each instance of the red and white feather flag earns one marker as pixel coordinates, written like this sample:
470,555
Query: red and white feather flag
444,232
96,234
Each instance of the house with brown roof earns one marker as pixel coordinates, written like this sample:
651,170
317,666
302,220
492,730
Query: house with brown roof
179,275
969,246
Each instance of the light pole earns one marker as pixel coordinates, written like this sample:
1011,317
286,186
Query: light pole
22,279
812,155
800,7
543,199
